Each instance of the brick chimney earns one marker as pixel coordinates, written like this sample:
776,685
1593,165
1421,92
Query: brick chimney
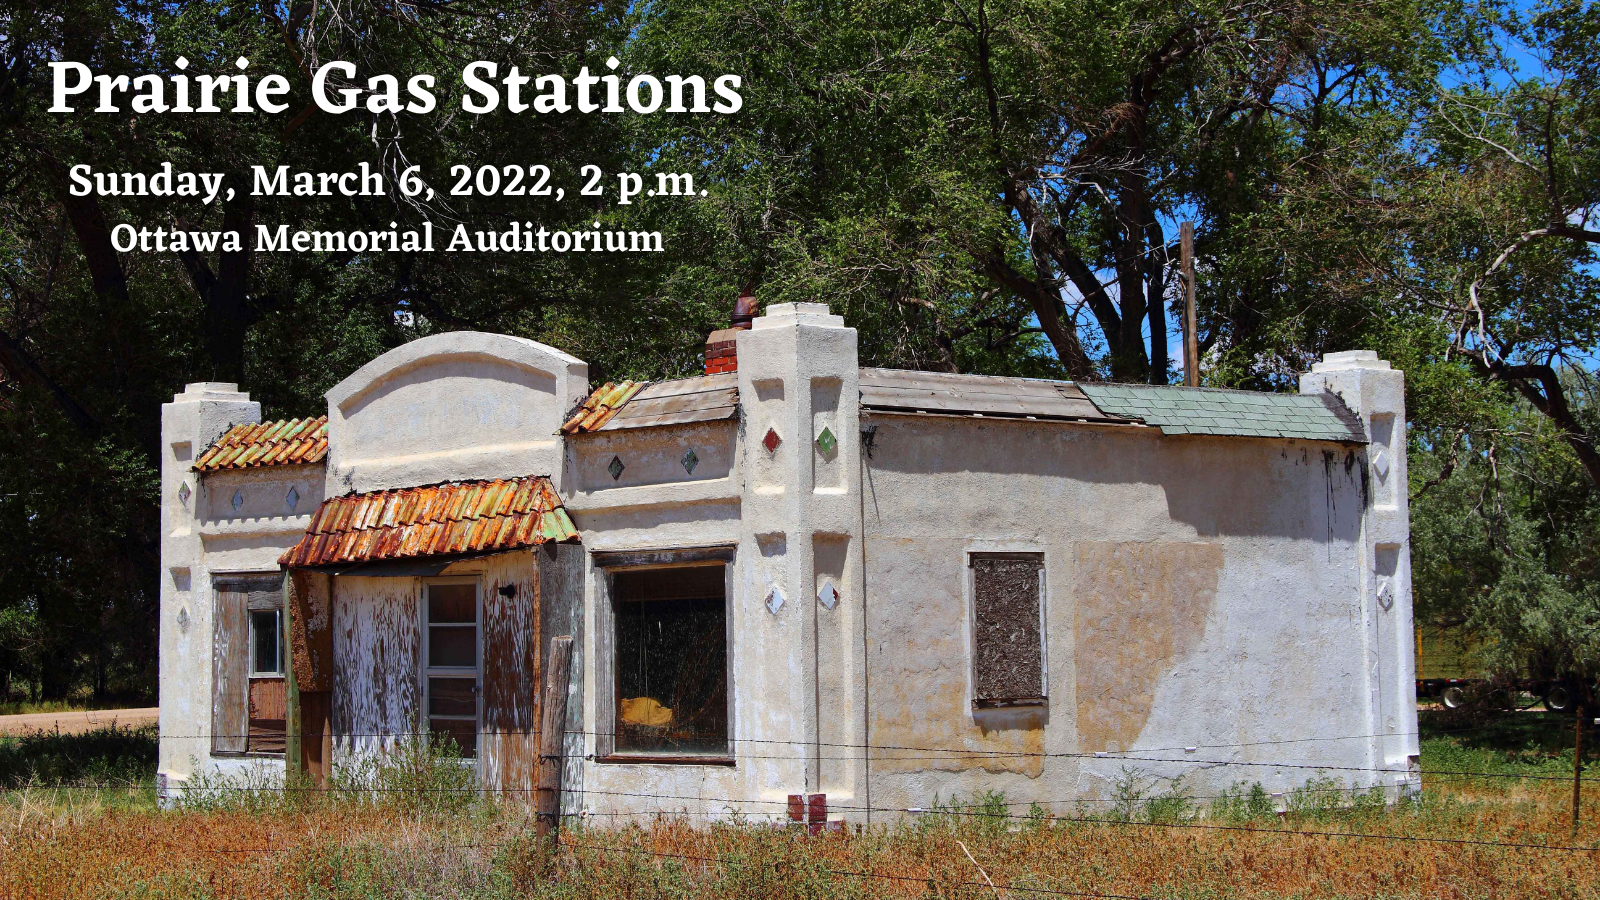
720,353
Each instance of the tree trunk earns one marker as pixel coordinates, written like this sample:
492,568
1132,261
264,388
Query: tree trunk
226,293
1541,387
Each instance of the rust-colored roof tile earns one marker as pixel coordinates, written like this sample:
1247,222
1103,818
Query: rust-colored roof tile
442,519
285,442
601,405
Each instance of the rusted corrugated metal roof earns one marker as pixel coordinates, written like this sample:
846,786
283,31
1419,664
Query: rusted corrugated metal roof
279,443
633,404
436,520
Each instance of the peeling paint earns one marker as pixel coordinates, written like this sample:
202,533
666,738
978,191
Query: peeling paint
376,644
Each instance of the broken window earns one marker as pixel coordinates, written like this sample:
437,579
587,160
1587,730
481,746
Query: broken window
1008,641
450,678
266,654
671,661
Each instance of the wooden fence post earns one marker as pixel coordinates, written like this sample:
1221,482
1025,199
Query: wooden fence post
552,734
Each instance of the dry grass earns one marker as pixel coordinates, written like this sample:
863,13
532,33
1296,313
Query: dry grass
60,844
74,843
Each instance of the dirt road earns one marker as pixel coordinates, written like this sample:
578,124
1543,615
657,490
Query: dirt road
76,721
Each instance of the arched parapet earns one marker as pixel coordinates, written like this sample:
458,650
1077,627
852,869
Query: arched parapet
454,406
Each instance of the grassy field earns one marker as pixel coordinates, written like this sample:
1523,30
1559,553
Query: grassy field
1453,842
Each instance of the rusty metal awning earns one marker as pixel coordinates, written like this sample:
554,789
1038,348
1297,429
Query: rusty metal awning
451,519
285,442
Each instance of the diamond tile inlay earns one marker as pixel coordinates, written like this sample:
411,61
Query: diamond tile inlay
1380,464
690,461
771,441
829,595
238,500
184,492
292,499
826,441
774,600
616,467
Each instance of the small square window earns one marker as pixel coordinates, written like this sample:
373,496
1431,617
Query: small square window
671,661
266,645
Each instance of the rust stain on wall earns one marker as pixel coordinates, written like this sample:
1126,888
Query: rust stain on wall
1141,608
920,668
376,640
310,629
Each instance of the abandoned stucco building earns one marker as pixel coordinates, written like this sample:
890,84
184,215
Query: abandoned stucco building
794,576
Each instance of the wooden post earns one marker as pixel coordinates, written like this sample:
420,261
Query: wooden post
1577,768
1191,340
552,735
294,766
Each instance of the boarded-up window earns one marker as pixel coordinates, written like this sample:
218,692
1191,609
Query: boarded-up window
671,661
247,700
1008,643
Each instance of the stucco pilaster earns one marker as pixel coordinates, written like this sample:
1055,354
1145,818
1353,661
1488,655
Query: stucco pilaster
1376,393
801,663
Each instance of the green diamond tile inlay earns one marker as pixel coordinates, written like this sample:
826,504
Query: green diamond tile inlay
826,441
615,468
690,461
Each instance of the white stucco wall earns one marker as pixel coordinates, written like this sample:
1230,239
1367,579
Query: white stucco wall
1201,592
451,407
1245,597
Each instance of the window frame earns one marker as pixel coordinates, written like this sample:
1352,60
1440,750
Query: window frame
982,705
607,564
277,630
426,671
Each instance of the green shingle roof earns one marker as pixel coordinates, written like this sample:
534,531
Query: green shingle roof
1184,410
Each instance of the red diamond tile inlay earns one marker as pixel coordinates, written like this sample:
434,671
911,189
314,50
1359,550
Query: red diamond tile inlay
771,441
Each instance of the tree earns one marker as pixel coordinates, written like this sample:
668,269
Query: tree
1524,172
1000,169
1503,522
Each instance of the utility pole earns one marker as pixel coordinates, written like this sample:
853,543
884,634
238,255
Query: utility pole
1191,341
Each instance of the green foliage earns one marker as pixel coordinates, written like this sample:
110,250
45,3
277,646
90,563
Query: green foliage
422,775
1503,531
1239,804
112,756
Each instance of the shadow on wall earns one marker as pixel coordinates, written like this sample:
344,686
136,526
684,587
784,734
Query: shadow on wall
1216,485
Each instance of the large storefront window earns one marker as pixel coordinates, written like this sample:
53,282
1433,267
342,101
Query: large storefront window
671,661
